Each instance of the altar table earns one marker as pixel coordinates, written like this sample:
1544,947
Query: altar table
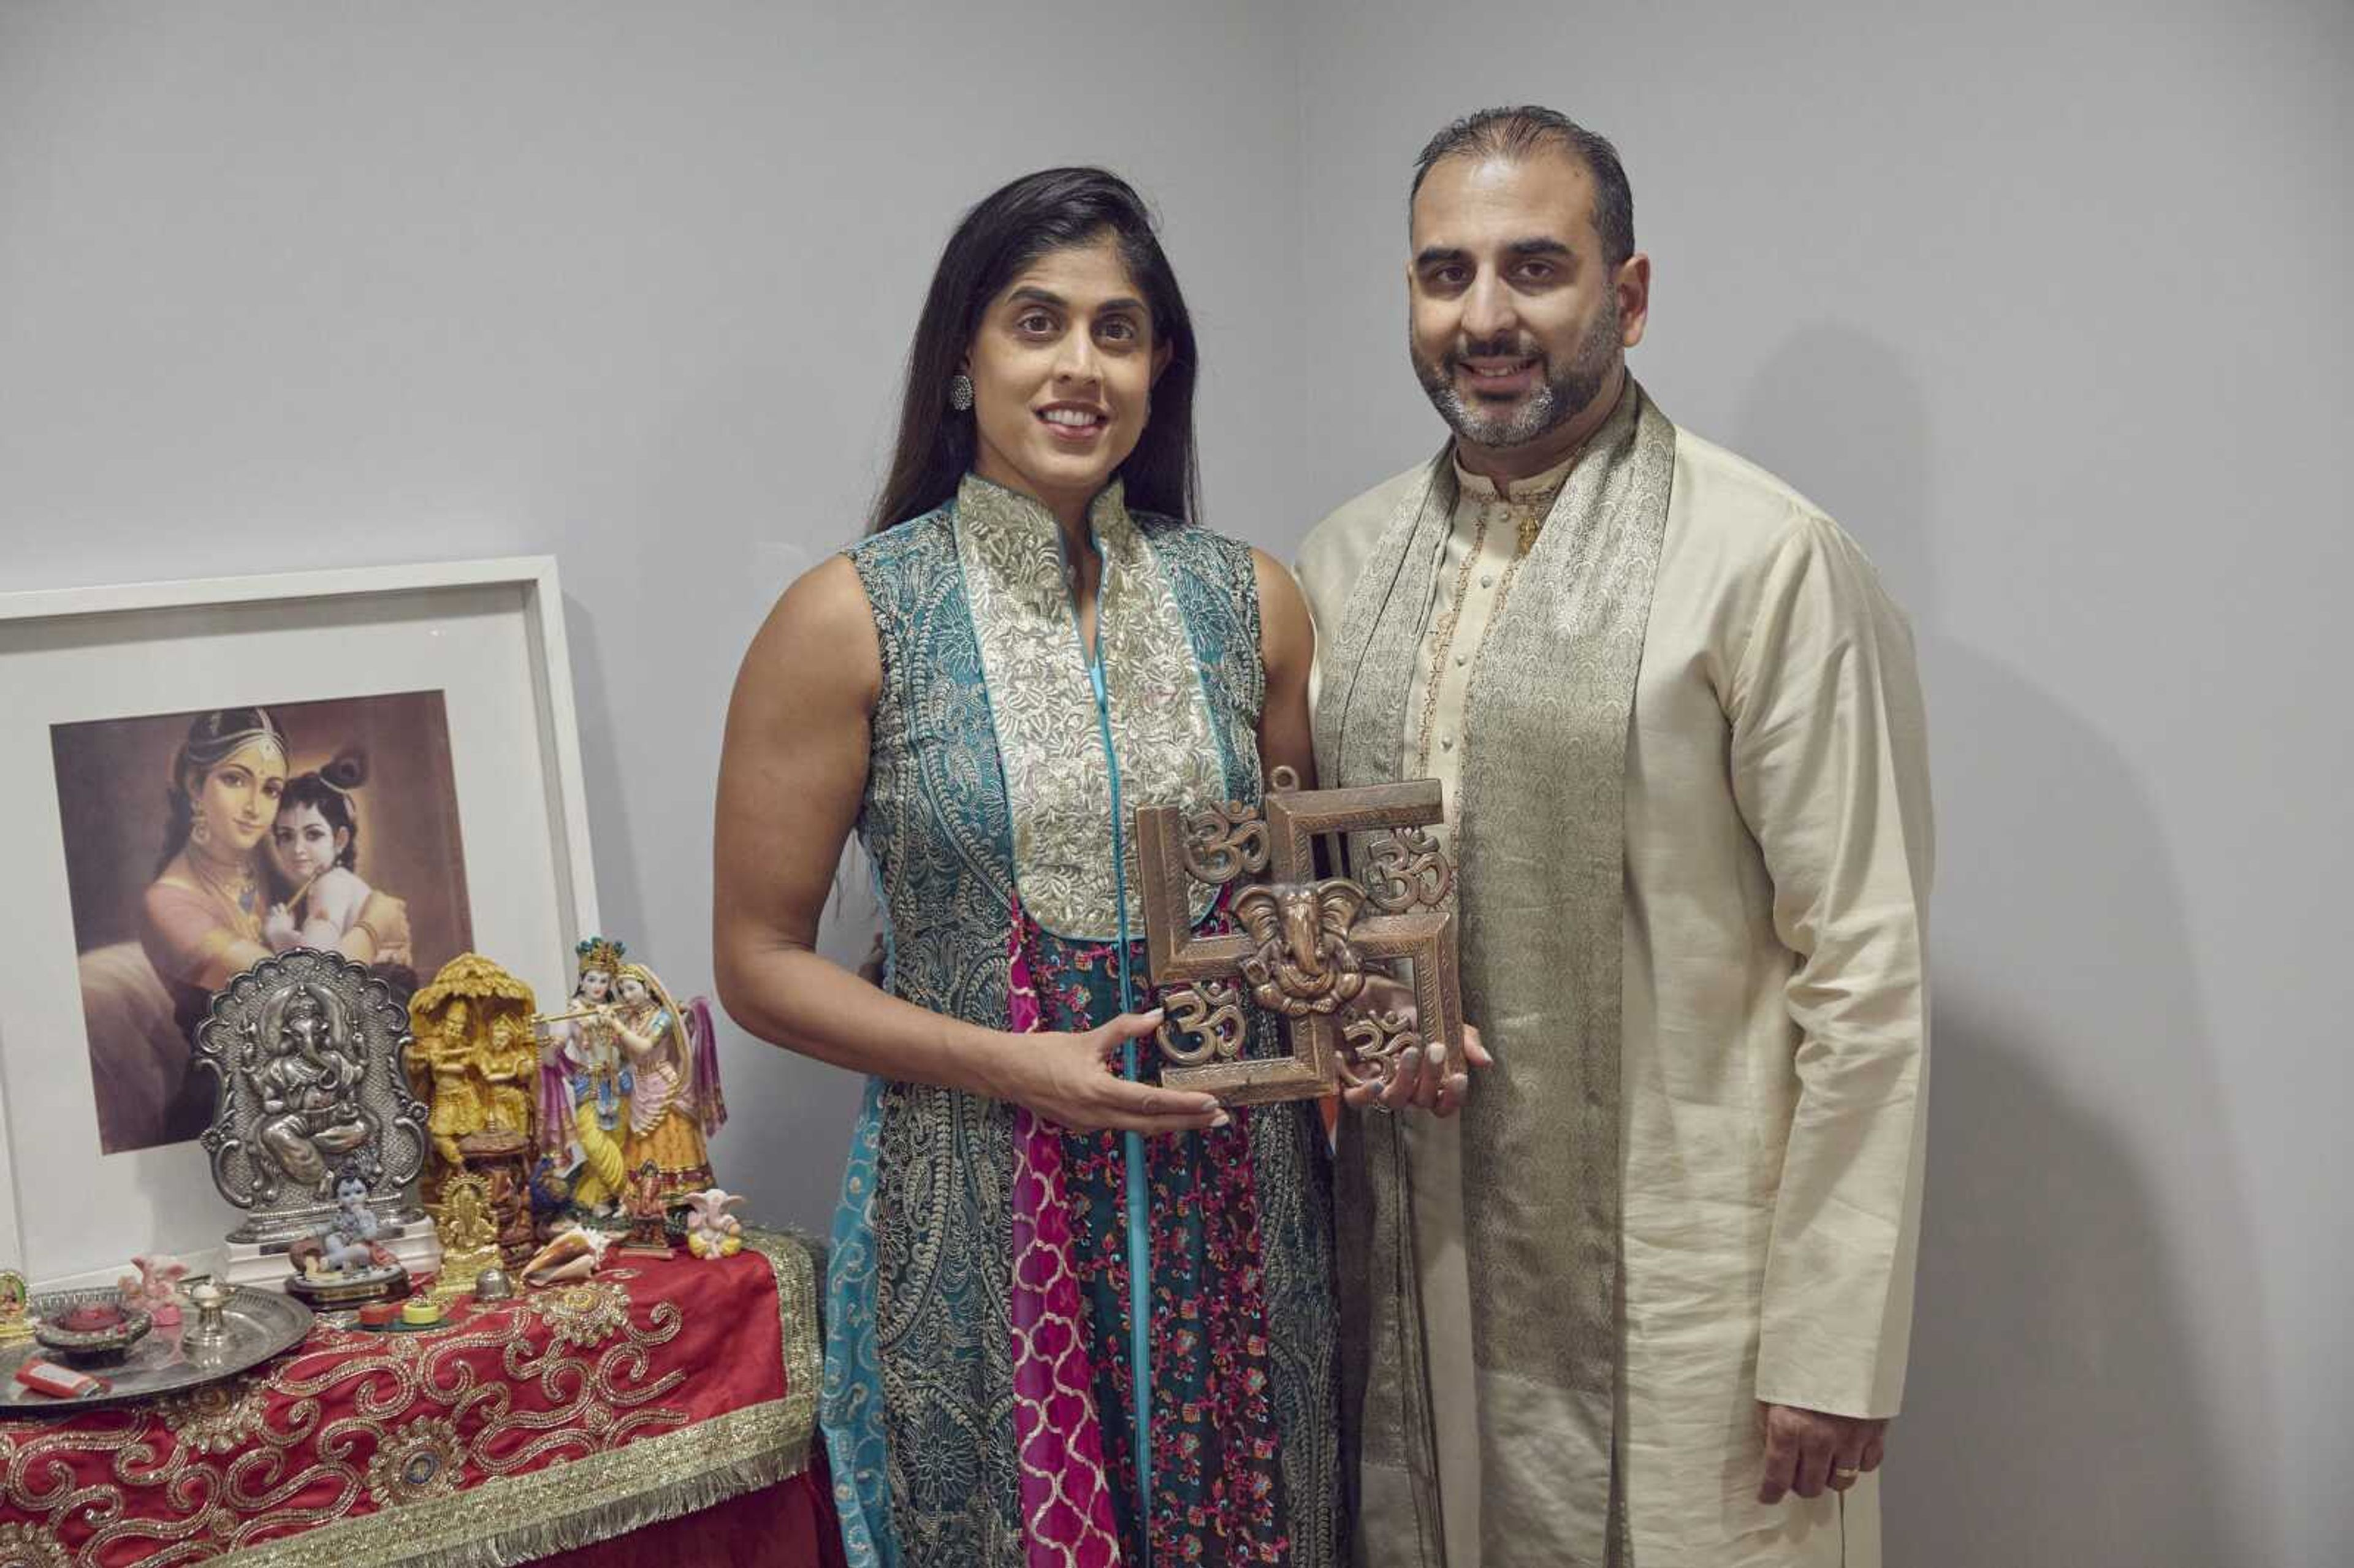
523,1430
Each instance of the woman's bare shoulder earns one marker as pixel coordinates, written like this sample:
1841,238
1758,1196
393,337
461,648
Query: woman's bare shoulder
823,630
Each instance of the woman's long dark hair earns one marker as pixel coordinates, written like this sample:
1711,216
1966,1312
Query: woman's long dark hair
1011,228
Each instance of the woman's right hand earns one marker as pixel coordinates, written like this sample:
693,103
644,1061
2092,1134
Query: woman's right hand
278,928
1073,1081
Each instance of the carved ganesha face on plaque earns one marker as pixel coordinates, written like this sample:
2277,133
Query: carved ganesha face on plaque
1302,960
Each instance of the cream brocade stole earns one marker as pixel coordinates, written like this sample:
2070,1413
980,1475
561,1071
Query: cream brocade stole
1541,843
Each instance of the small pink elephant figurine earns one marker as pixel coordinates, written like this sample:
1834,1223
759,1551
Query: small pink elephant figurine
154,1289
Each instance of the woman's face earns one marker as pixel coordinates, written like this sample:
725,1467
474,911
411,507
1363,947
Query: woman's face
305,845
595,984
239,799
1062,368
633,989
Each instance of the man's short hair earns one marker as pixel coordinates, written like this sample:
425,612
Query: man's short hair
1516,132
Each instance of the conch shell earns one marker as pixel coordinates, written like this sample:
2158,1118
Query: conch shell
572,1254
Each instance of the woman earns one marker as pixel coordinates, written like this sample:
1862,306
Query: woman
201,918
1033,637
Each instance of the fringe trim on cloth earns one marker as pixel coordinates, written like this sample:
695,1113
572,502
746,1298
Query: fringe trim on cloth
512,1519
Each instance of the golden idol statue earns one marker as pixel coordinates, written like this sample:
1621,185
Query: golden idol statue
469,1236
473,1057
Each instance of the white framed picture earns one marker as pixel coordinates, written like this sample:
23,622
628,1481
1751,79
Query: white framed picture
382,760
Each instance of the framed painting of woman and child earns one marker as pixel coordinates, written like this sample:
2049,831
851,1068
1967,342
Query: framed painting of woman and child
197,843
380,762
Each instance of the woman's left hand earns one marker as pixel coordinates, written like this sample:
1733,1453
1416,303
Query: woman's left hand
278,927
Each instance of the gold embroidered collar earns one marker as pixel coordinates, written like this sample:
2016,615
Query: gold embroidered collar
1021,541
1051,729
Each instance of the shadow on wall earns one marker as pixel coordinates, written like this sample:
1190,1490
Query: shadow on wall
2061,1407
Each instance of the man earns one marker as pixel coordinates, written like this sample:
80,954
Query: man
1646,1301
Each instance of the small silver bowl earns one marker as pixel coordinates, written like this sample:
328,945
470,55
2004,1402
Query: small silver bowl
88,1347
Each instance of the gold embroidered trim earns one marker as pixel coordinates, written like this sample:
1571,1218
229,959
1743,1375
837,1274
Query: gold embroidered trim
422,1459
796,1269
214,1417
586,1314
1528,513
513,1518
510,1519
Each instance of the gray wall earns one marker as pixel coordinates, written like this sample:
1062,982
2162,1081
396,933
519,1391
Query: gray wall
2048,305
293,286
2045,303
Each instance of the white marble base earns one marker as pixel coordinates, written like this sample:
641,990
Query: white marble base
244,1263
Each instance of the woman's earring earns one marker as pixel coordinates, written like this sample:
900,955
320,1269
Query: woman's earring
961,392
200,832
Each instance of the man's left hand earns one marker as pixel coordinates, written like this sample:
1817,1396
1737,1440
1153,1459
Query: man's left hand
1806,1450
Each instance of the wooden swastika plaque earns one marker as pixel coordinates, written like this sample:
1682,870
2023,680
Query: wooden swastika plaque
1308,949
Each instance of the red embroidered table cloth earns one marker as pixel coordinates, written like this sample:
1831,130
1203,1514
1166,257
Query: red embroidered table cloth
519,1429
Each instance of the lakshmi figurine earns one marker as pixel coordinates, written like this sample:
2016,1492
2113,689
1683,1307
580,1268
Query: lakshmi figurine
472,1032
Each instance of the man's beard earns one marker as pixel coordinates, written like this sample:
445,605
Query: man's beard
1562,395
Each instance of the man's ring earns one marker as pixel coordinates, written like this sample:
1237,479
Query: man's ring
1844,1473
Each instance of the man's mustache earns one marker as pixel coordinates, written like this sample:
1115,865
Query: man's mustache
1521,347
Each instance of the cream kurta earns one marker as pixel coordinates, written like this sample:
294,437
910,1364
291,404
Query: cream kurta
1774,1017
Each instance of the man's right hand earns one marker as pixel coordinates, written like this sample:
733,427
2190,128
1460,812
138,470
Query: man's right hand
1427,1079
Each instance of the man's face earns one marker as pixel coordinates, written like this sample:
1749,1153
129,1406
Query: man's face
1518,323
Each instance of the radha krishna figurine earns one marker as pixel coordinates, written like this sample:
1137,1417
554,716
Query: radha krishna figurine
630,1077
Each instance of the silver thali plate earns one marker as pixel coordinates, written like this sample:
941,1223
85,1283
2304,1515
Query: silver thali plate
257,1325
